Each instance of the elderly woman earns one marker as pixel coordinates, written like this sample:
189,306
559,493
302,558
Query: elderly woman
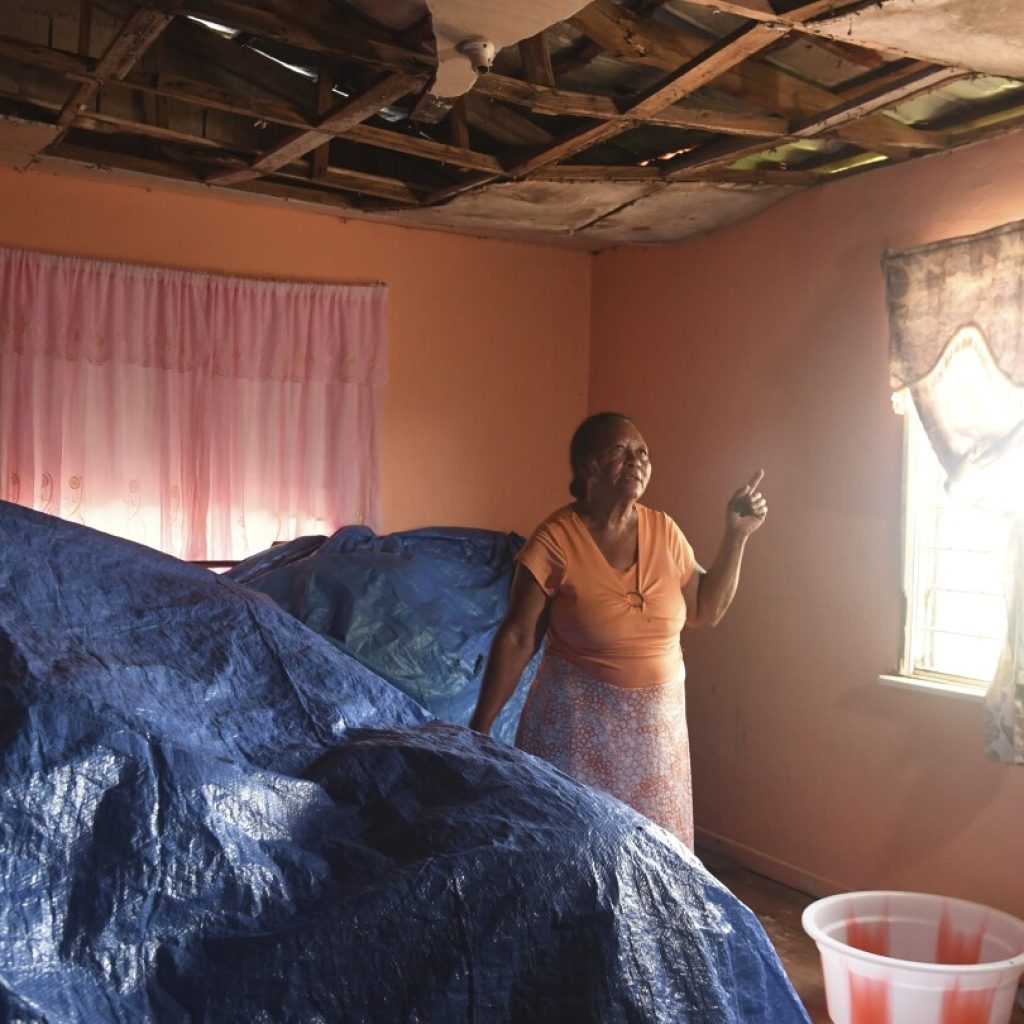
612,582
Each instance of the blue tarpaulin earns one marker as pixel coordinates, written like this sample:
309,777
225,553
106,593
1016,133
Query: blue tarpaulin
210,813
420,608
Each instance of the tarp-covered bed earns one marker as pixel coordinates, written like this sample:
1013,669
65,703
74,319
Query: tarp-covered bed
208,812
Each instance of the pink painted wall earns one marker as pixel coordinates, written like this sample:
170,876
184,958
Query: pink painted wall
766,345
488,340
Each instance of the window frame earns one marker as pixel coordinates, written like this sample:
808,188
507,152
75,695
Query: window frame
906,676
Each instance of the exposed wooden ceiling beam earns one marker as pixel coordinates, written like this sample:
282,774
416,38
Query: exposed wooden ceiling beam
801,13
324,102
458,126
267,23
765,10
211,97
766,87
692,76
197,50
561,102
720,121
542,99
888,95
33,55
336,177
103,158
426,149
712,63
721,154
346,116
391,189
254,108
603,173
756,10
656,44
99,121
536,60
84,26
859,55
228,152
597,172
503,124
137,35
282,190
247,65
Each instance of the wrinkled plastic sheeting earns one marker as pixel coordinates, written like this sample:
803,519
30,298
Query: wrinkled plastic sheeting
161,858
125,633
420,608
425,875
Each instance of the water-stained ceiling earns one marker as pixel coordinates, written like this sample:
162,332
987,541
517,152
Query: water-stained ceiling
602,123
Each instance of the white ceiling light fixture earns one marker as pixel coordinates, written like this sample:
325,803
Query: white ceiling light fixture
468,33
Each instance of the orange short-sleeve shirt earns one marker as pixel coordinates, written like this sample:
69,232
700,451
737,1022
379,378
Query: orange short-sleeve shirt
597,620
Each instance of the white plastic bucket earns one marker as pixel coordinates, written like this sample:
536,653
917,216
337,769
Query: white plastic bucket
911,958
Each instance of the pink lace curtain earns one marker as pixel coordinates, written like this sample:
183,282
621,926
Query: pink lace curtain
204,415
956,315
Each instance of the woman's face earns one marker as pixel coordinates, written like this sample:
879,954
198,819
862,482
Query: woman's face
621,464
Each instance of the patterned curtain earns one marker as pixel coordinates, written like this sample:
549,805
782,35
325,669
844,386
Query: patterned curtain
204,415
956,317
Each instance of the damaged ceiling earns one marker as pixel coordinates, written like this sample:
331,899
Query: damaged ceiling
593,124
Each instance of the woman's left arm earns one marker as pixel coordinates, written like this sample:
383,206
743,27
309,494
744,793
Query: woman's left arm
715,589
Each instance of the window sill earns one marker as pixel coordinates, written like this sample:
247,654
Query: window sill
958,691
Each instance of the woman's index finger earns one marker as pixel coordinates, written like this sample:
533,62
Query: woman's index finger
755,480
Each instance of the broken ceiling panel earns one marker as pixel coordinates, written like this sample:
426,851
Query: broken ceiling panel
982,35
22,141
684,210
628,121
542,208
468,33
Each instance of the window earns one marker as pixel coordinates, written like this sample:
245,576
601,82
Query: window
955,557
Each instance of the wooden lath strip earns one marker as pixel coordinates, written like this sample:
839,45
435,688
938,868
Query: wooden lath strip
324,102
140,32
764,10
259,21
764,86
346,116
556,102
603,173
212,97
726,54
84,26
720,154
703,70
667,47
122,161
882,98
536,58
390,189
335,178
296,193
539,100
202,94
33,55
755,10
721,122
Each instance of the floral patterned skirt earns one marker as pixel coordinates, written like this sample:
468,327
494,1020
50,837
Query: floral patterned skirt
631,743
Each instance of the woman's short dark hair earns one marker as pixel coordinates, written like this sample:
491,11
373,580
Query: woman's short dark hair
584,444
